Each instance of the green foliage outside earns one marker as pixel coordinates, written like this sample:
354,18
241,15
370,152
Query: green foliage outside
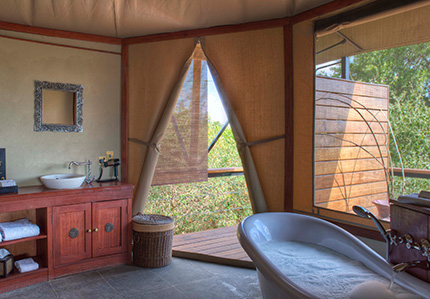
406,70
218,202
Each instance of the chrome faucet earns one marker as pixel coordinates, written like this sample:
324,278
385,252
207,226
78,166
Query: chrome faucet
89,179
72,163
415,264
364,213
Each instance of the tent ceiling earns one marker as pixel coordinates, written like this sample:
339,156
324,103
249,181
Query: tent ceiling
127,18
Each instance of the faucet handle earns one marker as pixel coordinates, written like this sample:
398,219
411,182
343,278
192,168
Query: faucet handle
425,248
400,267
409,241
90,179
414,264
392,237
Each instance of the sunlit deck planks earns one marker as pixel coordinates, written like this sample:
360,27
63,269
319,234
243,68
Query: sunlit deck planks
217,246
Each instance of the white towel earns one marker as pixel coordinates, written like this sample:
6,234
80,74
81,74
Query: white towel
18,229
26,265
4,253
7,183
414,199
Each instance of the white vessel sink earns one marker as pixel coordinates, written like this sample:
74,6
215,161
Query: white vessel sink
62,181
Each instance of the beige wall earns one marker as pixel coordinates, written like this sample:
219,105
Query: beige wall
31,154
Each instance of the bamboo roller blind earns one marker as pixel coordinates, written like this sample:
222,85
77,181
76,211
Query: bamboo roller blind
183,152
154,69
406,28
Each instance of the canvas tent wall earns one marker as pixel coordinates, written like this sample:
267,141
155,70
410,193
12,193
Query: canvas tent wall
251,67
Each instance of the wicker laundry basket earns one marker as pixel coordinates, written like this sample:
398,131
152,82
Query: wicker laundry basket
152,240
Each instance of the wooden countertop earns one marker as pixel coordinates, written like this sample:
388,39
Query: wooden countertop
33,197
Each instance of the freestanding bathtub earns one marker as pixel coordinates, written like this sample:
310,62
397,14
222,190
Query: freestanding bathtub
257,229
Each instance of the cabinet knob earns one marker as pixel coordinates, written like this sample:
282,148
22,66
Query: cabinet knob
96,229
73,233
89,230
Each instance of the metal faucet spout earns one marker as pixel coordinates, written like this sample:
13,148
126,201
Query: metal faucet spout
72,163
89,179
364,213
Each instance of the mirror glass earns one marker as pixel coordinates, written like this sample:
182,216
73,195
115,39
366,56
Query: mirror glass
58,107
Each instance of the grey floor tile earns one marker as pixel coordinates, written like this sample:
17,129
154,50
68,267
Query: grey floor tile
217,269
182,271
244,283
135,283
96,289
119,270
182,279
226,282
243,279
77,279
210,288
169,293
41,290
85,285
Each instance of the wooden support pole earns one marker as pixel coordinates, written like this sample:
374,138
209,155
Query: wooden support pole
124,114
289,119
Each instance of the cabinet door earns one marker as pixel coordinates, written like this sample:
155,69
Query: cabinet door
72,241
109,227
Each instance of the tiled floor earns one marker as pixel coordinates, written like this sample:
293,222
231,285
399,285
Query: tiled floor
181,279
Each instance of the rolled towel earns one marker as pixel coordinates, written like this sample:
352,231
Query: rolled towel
414,199
4,253
7,183
26,265
18,229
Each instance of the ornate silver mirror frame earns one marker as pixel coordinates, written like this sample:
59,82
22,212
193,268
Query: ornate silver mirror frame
77,90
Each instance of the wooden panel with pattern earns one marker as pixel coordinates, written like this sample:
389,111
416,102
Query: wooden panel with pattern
68,246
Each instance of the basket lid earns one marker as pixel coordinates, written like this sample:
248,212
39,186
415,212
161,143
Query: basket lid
152,219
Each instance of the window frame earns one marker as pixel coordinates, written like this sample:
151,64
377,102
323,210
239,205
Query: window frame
360,227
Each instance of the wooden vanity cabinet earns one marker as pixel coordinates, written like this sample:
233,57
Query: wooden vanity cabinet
81,229
88,230
109,233
71,240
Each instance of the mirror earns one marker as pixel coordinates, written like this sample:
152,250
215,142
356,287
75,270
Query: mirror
57,107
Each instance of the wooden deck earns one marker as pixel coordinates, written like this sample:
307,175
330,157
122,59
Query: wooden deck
219,246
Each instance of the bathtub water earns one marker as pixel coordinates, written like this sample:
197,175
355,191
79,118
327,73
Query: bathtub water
325,272
264,237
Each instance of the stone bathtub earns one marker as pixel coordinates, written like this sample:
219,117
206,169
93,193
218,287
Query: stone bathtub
260,232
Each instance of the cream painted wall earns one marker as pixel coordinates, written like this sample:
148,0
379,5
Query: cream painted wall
31,154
